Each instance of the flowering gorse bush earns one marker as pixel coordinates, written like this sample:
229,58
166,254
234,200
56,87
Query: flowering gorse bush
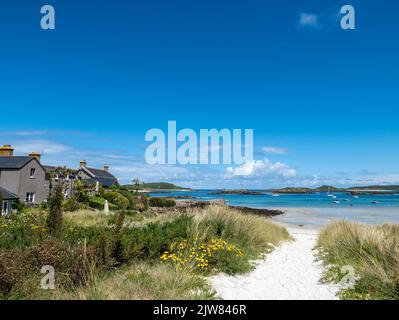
200,255
21,230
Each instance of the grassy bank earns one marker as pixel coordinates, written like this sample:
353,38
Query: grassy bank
373,252
121,255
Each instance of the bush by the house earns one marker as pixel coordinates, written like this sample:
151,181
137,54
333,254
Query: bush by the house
22,229
129,196
162,202
117,199
152,240
98,203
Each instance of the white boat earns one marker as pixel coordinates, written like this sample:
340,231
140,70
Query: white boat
275,195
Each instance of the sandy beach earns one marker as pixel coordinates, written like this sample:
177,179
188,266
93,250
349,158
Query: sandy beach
290,272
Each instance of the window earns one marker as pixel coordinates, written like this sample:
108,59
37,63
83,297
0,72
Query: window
32,172
4,209
30,197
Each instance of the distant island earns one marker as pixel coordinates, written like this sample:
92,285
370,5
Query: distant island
241,191
352,190
158,186
365,190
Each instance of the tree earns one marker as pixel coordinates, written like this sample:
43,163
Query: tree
54,219
136,185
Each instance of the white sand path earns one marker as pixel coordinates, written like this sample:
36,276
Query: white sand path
290,272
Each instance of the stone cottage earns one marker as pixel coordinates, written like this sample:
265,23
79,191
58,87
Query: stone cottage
23,176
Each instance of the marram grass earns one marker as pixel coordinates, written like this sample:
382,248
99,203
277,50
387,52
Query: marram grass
373,252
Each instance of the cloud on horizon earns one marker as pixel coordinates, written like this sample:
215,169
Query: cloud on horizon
274,150
261,169
309,20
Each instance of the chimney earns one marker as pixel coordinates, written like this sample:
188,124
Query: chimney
36,155
83,163
6,151
106,168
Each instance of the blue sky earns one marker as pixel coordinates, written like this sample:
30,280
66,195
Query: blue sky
323,102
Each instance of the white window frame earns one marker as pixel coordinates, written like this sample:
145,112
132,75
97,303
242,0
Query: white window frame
30,197
4,208
32,170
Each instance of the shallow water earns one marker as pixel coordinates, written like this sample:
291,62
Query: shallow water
313,210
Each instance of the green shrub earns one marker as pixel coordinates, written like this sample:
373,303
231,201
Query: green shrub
155,238
98,203
22,229
254,235
18,206
75,234
162,202
17,266
54,219
142,202
71,205
117,199
117,247
130,196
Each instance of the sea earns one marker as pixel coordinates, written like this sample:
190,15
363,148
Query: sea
308,210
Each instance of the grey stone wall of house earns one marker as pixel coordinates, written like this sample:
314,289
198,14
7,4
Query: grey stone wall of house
68,184
37,184
9,179
83,175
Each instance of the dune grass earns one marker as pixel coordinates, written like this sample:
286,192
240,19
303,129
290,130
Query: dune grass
121,258
90,218
373,252
251,232
254,236
142,281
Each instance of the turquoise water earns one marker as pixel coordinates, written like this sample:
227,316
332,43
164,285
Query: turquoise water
311,209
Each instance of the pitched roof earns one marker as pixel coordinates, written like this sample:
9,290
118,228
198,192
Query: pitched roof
7,195
104,177
49,168
17,162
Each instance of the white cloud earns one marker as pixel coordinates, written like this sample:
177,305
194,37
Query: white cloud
42,146
30,133
309,20
261,169
274,150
